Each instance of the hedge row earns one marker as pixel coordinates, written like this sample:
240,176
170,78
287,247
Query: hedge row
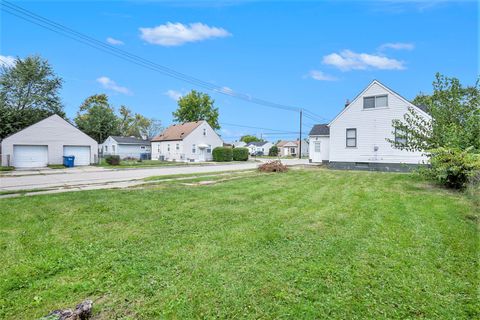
240,154
223,154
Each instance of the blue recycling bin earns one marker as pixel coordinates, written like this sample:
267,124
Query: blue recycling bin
68,161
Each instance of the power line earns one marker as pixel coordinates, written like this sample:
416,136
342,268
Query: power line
252,127
58,28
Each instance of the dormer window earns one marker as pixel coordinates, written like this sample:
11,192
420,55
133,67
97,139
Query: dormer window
373,102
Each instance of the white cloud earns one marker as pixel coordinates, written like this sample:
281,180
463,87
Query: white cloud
173,94
176,34
7,61
108,83
115,42
320,75
226,90
397,46
349,60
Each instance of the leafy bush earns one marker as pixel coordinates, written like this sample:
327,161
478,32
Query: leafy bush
453,168
240,154
112,160
222,154
273,166
273,152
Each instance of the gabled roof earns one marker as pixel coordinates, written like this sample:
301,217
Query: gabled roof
320,130
257,143
421,109
130,140
177,131
287,143
53,117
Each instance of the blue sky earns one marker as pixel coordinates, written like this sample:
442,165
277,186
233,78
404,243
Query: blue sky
310,54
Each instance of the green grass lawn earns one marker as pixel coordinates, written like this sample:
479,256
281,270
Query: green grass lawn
143,163
307,244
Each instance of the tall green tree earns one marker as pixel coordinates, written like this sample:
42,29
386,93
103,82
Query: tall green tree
455,118
97,118
197,106
29,92
137,125
250,138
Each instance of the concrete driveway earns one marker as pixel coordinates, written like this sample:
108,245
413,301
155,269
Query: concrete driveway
98,176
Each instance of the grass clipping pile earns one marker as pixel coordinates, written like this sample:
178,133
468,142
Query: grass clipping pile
273,166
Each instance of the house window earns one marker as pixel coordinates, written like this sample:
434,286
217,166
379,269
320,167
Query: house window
168,147
113,149
158,148
400,137
106,148
292,150
194,148
375,102
142,147
317,146
351,138
177,147
209,149
204,132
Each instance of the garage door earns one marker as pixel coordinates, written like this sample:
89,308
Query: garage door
81,153
30,156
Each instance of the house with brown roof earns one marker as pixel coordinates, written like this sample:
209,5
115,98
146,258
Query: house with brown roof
288,148
188,142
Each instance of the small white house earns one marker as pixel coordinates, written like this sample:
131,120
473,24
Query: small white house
290,148
188,142
46,142
259,148
236,144
126,147
357,137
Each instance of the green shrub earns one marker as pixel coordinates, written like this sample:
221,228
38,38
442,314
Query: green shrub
273,152
112,160
222,154
453,168
240,154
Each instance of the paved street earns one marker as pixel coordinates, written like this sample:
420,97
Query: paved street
98,176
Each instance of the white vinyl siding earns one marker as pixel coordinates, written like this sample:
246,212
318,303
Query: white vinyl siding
374,127
53,133
196,146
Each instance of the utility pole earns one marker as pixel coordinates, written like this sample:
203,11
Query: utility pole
300,141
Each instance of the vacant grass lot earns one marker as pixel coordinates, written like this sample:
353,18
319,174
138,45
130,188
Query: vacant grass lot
147,163
301,245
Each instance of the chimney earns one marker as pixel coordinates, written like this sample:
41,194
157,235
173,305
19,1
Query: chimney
347,103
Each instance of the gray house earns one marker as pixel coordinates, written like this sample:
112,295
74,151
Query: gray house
126,147
46,142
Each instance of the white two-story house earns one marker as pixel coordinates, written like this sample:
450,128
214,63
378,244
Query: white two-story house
357,137
188,142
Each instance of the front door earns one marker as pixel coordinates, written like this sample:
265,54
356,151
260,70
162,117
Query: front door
202,155
317,152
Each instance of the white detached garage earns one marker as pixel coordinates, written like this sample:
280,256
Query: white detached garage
46,142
